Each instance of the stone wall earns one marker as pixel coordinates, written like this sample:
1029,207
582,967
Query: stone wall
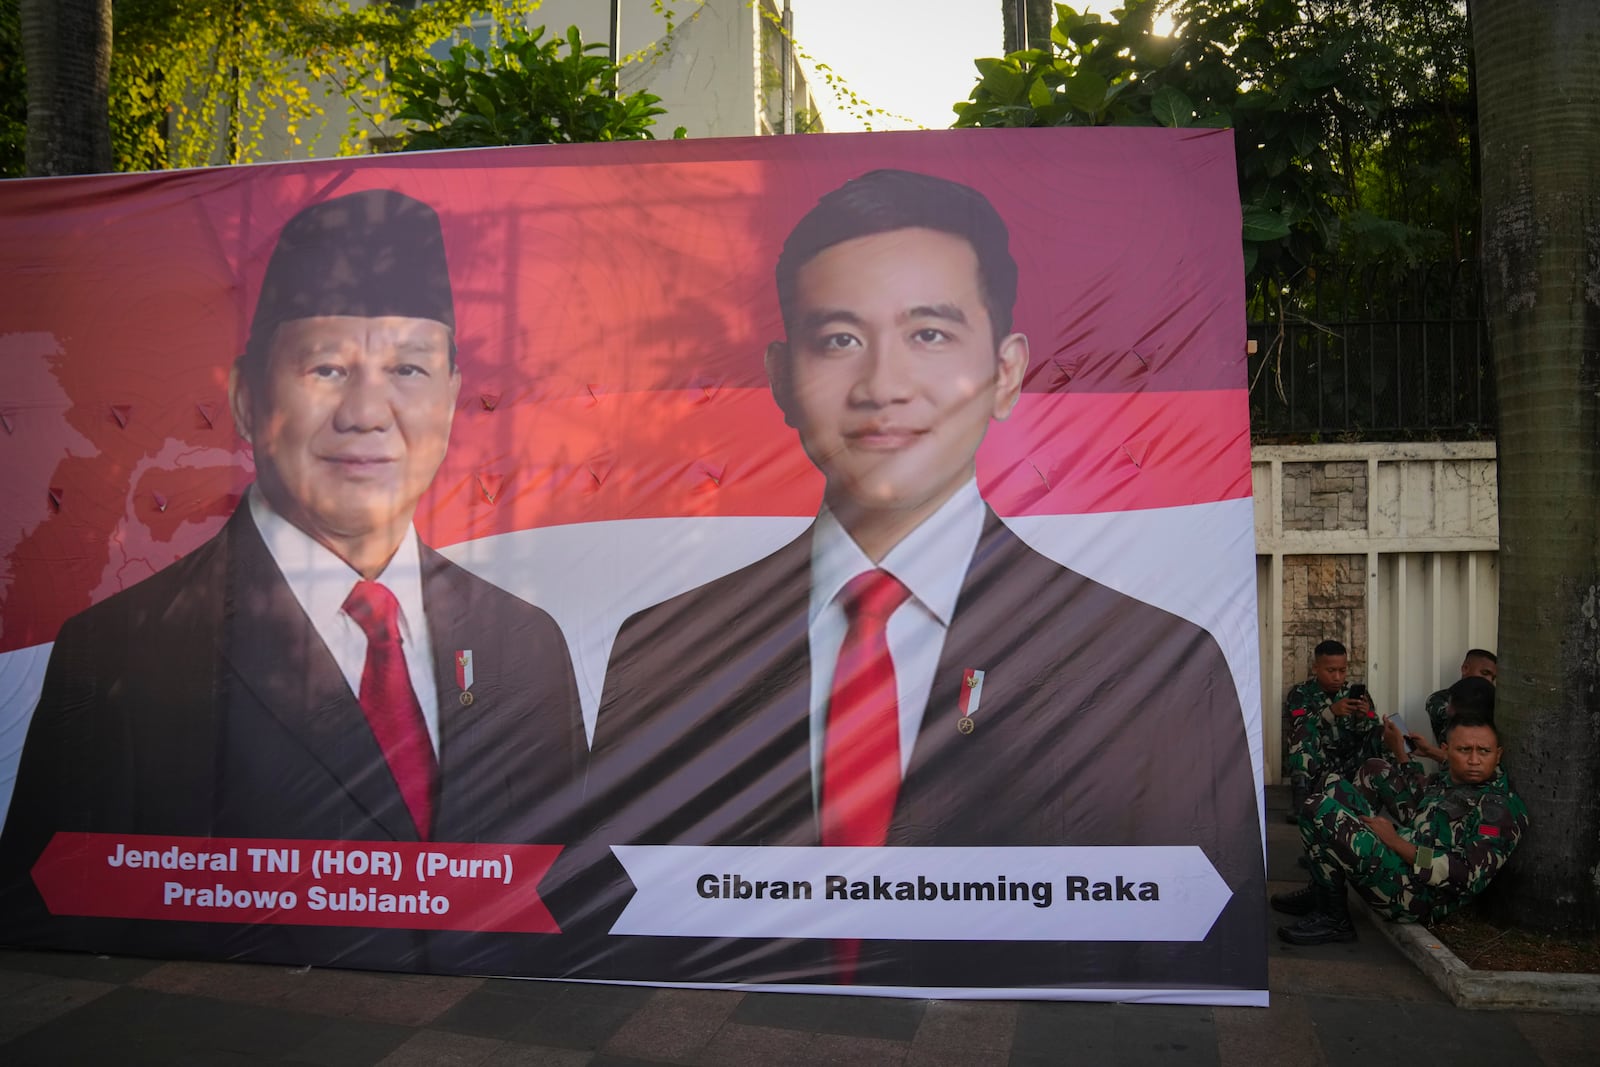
1324,597
1325,496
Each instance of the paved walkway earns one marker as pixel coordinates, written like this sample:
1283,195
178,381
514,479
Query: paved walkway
1355,1003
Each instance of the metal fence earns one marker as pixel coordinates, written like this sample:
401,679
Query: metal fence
1370,356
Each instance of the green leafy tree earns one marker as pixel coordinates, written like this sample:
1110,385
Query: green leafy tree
1330,101
1354,128
522,90
196,82
1538,67
13,94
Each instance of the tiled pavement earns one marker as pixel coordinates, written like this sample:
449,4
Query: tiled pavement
1355,1003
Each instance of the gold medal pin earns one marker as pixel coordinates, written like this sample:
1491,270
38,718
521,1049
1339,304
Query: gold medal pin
464,675
971,694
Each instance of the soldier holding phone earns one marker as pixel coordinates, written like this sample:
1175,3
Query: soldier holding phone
1332,724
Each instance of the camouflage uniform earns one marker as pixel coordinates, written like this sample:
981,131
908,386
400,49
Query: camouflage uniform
1463,834
1438,713
1320,741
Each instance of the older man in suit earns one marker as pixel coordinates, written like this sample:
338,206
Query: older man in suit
908,672
312,671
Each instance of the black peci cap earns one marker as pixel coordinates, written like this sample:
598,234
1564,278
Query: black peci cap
367,254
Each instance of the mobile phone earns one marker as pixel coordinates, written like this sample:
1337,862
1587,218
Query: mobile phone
1358,692
1405,731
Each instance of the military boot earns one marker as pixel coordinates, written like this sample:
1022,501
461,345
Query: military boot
1328,922
1301,901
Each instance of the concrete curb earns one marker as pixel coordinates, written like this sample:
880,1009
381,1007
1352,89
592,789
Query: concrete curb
1491,990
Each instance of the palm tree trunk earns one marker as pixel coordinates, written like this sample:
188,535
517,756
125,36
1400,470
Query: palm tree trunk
66,46
1538,73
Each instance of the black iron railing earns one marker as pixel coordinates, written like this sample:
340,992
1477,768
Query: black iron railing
1373,356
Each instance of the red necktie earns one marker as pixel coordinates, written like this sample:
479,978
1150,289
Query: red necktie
861,752
390,704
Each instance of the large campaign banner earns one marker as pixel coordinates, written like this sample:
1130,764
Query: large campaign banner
796,563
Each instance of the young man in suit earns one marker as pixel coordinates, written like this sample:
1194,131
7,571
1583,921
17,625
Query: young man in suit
312,671
908,672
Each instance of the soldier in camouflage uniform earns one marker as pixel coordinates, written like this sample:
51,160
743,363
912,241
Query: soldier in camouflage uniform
1477,663
1415,847
1438,708
1329,730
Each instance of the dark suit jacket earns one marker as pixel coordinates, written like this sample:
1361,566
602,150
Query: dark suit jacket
1104,721
202,702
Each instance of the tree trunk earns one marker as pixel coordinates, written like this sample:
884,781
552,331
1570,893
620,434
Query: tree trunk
1030,19
66,46
1538,73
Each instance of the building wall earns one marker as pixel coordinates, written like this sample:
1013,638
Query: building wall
1388,548
707,72
717,73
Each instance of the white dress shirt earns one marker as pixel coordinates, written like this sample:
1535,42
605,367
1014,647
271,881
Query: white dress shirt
321,581
932,563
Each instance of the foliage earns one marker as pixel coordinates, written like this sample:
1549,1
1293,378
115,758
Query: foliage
197,81
1352,118
13,94
846,98
670,25
521,91
806,120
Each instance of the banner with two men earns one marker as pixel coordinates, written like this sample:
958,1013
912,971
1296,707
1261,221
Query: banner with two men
793,562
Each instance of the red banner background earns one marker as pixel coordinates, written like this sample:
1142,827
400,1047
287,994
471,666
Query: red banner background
613,304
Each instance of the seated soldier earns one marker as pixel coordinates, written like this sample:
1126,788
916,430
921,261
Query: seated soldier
1471,695
1415,847
1477,663
1331,728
